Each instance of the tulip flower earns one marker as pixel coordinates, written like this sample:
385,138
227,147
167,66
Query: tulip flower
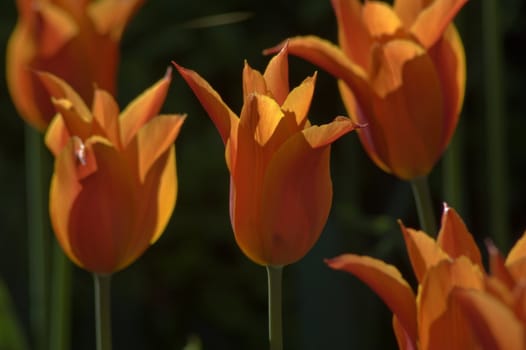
114,184
280,187
75,40
400,70
457,305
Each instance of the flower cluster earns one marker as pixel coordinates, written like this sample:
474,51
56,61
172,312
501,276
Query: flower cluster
457,305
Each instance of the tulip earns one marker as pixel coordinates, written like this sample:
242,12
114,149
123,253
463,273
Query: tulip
75,40
400,70
457,305
114,183
280,186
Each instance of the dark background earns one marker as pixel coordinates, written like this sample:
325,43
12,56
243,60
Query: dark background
195,282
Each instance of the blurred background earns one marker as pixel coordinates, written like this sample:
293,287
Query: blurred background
194,283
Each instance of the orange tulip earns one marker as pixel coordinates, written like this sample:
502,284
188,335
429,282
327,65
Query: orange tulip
280,185
401,71
114,184
75,40
457,304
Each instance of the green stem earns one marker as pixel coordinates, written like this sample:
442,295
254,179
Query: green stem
275,329
499,225
37,241
59,335
424,205
103,311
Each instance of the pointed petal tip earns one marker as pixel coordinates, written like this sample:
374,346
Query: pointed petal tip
277,48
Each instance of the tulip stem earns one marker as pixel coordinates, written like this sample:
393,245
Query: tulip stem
37,238
275,333
424,205
102,311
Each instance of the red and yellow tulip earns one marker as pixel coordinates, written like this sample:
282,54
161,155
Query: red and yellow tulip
280,185
401,71
114,184
457,305
75,40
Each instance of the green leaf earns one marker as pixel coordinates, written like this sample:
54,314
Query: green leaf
11,335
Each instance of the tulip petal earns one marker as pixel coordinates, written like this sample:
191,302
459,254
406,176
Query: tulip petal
155,138
455,239
518,251
403,339
108,197
55,28
423,251
450,62
111,16
406,123
408,10
277,76
57,135
253,82
106,113
437,326
218,111
492,324
380,19
387,282
299,100
434,19
497,266
143,108
353,36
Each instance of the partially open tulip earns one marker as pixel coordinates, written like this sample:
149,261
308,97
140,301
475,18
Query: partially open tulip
75,40
401,71
280,185
457,304
114,184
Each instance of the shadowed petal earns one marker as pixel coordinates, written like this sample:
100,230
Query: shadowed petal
386,281
492,324
253,82
497,266
437,327
353,36
54,28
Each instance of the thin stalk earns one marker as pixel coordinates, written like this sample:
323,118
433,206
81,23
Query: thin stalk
103,311
275,328
453,172
37,240
60,313
497,177
424,205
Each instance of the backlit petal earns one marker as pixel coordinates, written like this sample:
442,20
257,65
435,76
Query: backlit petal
253,82
143,108
111,16
434,19
455,239
299,100
55,28
106,113
277,75
387,282
380,19
57,135
423,251
518,251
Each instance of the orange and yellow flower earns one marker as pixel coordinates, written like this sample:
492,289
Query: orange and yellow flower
114,184
401,71
280,185
75,40
457,305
